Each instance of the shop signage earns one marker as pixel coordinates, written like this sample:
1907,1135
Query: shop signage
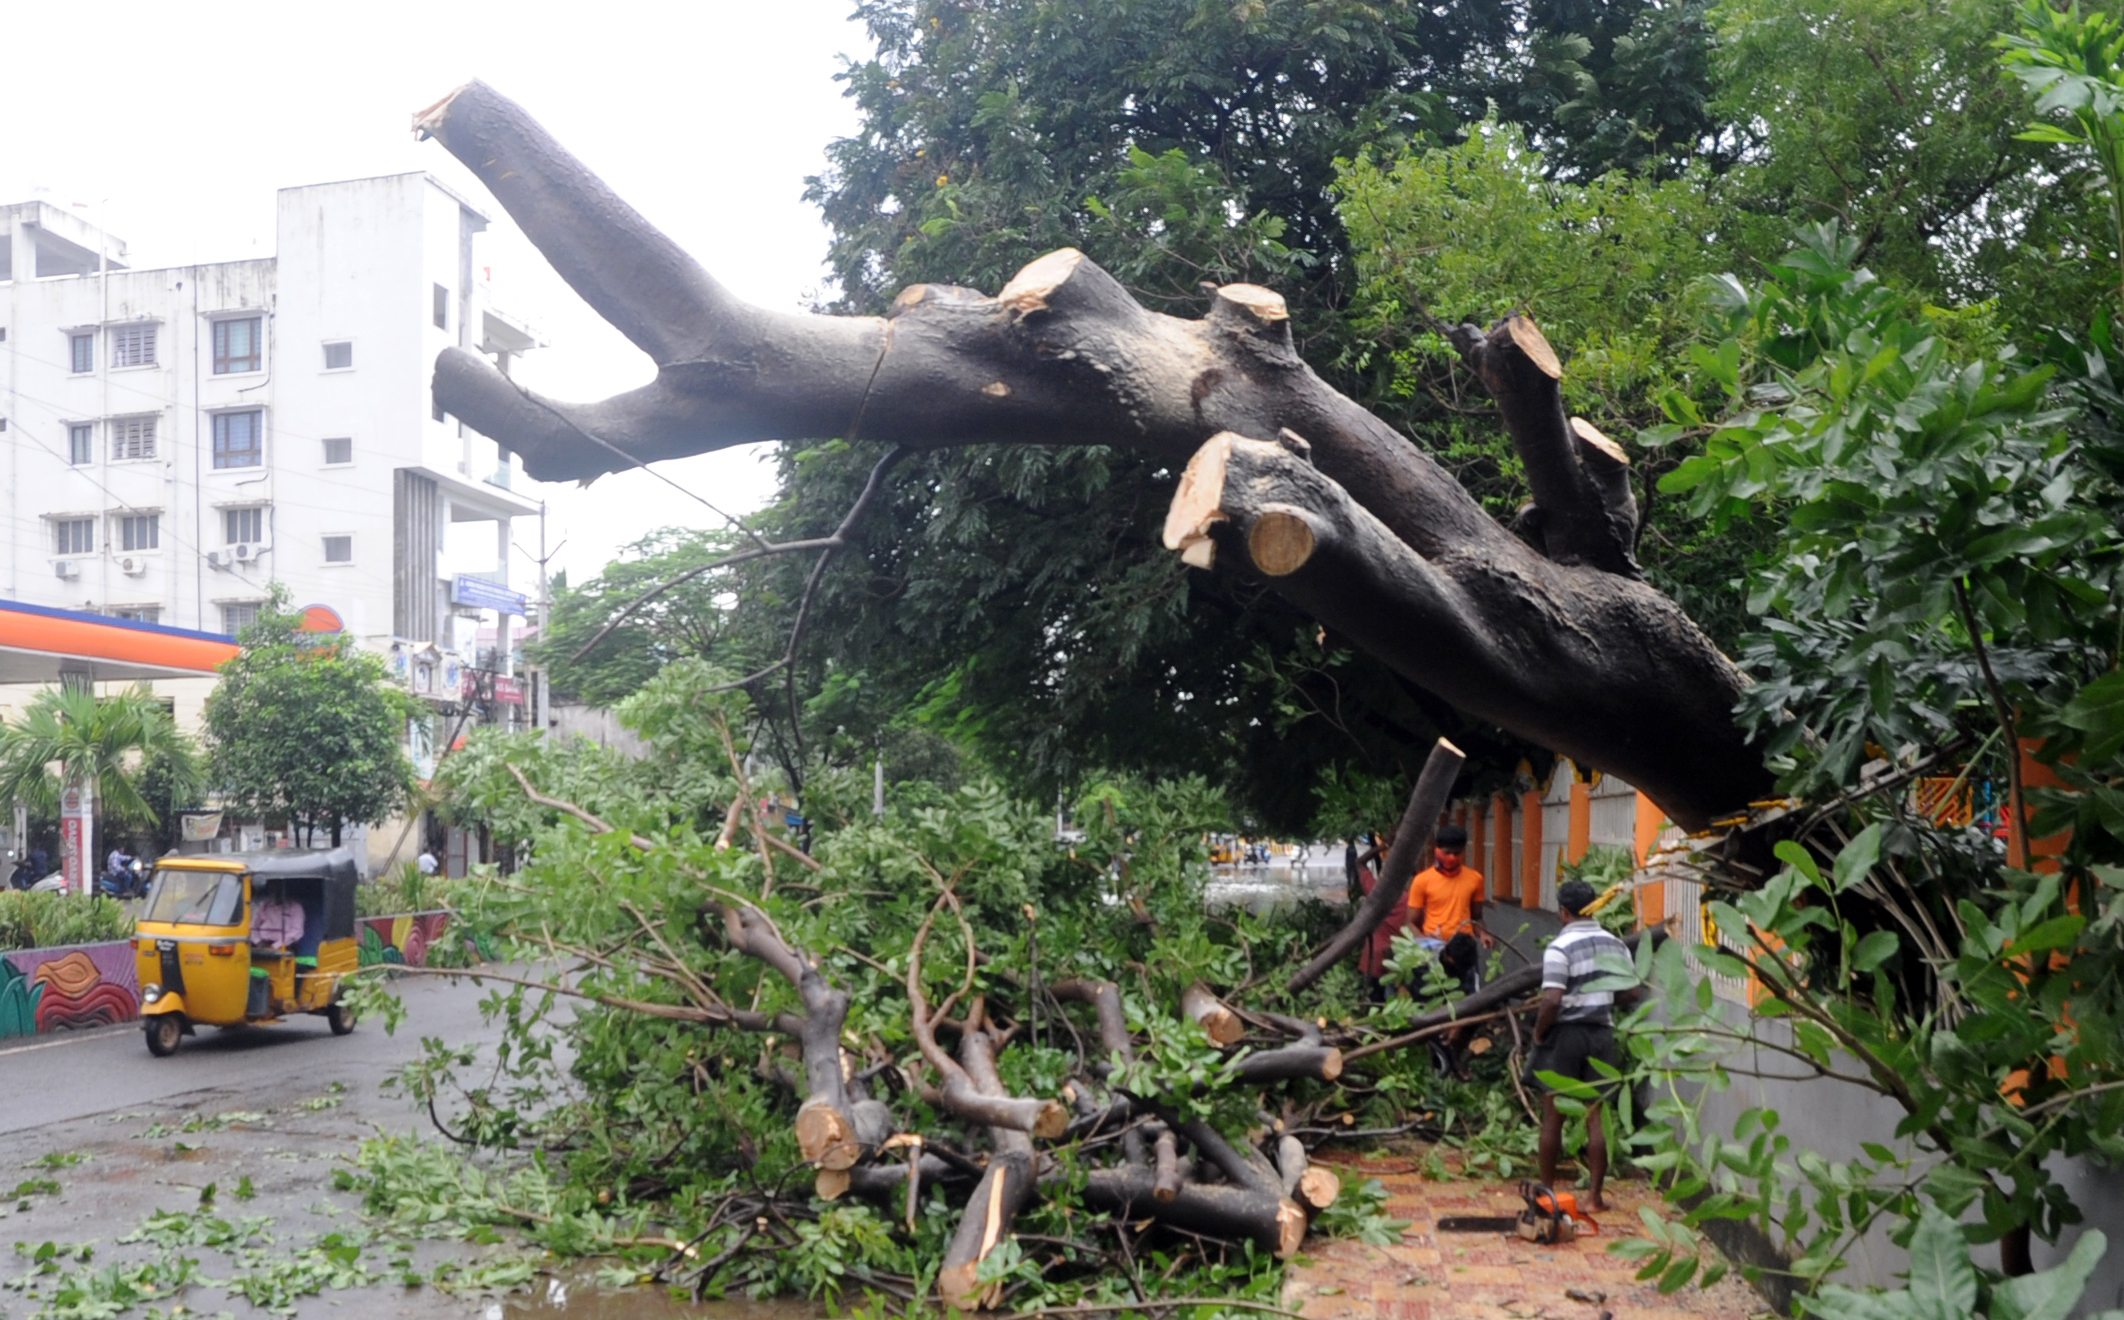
476,593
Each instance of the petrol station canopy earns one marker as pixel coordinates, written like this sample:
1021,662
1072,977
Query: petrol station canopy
39,644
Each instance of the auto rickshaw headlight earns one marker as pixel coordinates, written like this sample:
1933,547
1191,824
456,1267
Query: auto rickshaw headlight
150,993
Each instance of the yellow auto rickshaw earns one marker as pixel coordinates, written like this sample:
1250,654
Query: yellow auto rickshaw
233,938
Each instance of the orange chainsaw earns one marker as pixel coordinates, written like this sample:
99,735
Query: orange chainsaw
1552,1217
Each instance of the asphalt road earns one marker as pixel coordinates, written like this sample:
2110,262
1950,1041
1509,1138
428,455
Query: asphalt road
272,1110
124,1135
74,1075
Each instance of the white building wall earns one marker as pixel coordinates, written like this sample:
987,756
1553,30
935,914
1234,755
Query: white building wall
357,263
1612,815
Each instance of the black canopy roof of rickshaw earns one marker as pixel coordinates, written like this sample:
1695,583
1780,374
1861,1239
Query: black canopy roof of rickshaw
293,863
333,869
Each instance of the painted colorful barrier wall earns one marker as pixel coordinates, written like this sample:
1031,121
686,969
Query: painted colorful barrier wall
95,985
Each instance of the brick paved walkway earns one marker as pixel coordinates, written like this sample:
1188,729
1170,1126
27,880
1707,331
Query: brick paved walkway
1487,1276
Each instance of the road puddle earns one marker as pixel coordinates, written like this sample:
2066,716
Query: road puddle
582,1299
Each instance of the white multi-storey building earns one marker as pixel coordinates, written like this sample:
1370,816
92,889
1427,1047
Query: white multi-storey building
176,439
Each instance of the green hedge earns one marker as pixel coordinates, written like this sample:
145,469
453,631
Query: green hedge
42,921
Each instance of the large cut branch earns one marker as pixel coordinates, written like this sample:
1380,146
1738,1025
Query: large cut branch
1251,1204
1004,1190
1412,842
1580,478
1570,651
833,1130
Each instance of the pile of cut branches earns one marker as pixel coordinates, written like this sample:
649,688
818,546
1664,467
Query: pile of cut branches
988,1067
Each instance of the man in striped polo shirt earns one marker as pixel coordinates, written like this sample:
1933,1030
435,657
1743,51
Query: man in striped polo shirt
1576,1025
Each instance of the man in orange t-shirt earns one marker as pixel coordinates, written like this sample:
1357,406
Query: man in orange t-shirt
1446,898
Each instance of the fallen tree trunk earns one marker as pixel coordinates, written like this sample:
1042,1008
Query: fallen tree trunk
1275,1223
1564,645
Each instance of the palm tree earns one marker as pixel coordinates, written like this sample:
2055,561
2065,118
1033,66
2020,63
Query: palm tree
70,736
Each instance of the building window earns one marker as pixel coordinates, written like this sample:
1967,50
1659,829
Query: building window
442,308
80,444
238,346
138,613
133,346
237,439
339,356
140,531
339,549
238,615
244,526
132,437
84,352
339,451
74,536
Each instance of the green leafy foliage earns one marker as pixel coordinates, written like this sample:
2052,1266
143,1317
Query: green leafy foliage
1992,1079
1943,1282
124,745
44,921
305,726
1937,516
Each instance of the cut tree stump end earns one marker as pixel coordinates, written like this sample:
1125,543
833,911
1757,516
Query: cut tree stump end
1029,289
1280,542
1591,436
1535,345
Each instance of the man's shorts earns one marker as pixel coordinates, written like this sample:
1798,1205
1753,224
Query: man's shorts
1570,1051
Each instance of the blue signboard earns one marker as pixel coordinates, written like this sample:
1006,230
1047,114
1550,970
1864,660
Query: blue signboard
479,594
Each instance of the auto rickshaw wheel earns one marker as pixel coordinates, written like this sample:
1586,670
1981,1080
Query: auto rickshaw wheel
163,1034
341,1017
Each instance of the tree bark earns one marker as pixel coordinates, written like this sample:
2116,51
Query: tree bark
1292,1063
1272,1221
1200,1003
1004,1190
1573,652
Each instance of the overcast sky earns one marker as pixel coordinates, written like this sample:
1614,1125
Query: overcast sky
172,125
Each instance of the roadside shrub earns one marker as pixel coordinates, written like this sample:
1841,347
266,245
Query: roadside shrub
42,921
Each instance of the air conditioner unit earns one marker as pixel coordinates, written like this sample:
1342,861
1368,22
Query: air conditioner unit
216,559
132,566
246,553
67,568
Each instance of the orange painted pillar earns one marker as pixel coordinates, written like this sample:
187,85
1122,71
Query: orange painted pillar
1501,886
1530,849
1650,821
1652,895
2039,854
1581,835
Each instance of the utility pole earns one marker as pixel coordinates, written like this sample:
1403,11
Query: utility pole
540,694
538,675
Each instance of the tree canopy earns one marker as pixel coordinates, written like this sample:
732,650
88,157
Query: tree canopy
304,726
1389,170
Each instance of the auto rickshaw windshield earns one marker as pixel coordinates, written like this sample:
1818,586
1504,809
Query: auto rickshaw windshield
195,898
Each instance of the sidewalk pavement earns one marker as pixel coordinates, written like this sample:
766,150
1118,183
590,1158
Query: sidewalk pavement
1430,1275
